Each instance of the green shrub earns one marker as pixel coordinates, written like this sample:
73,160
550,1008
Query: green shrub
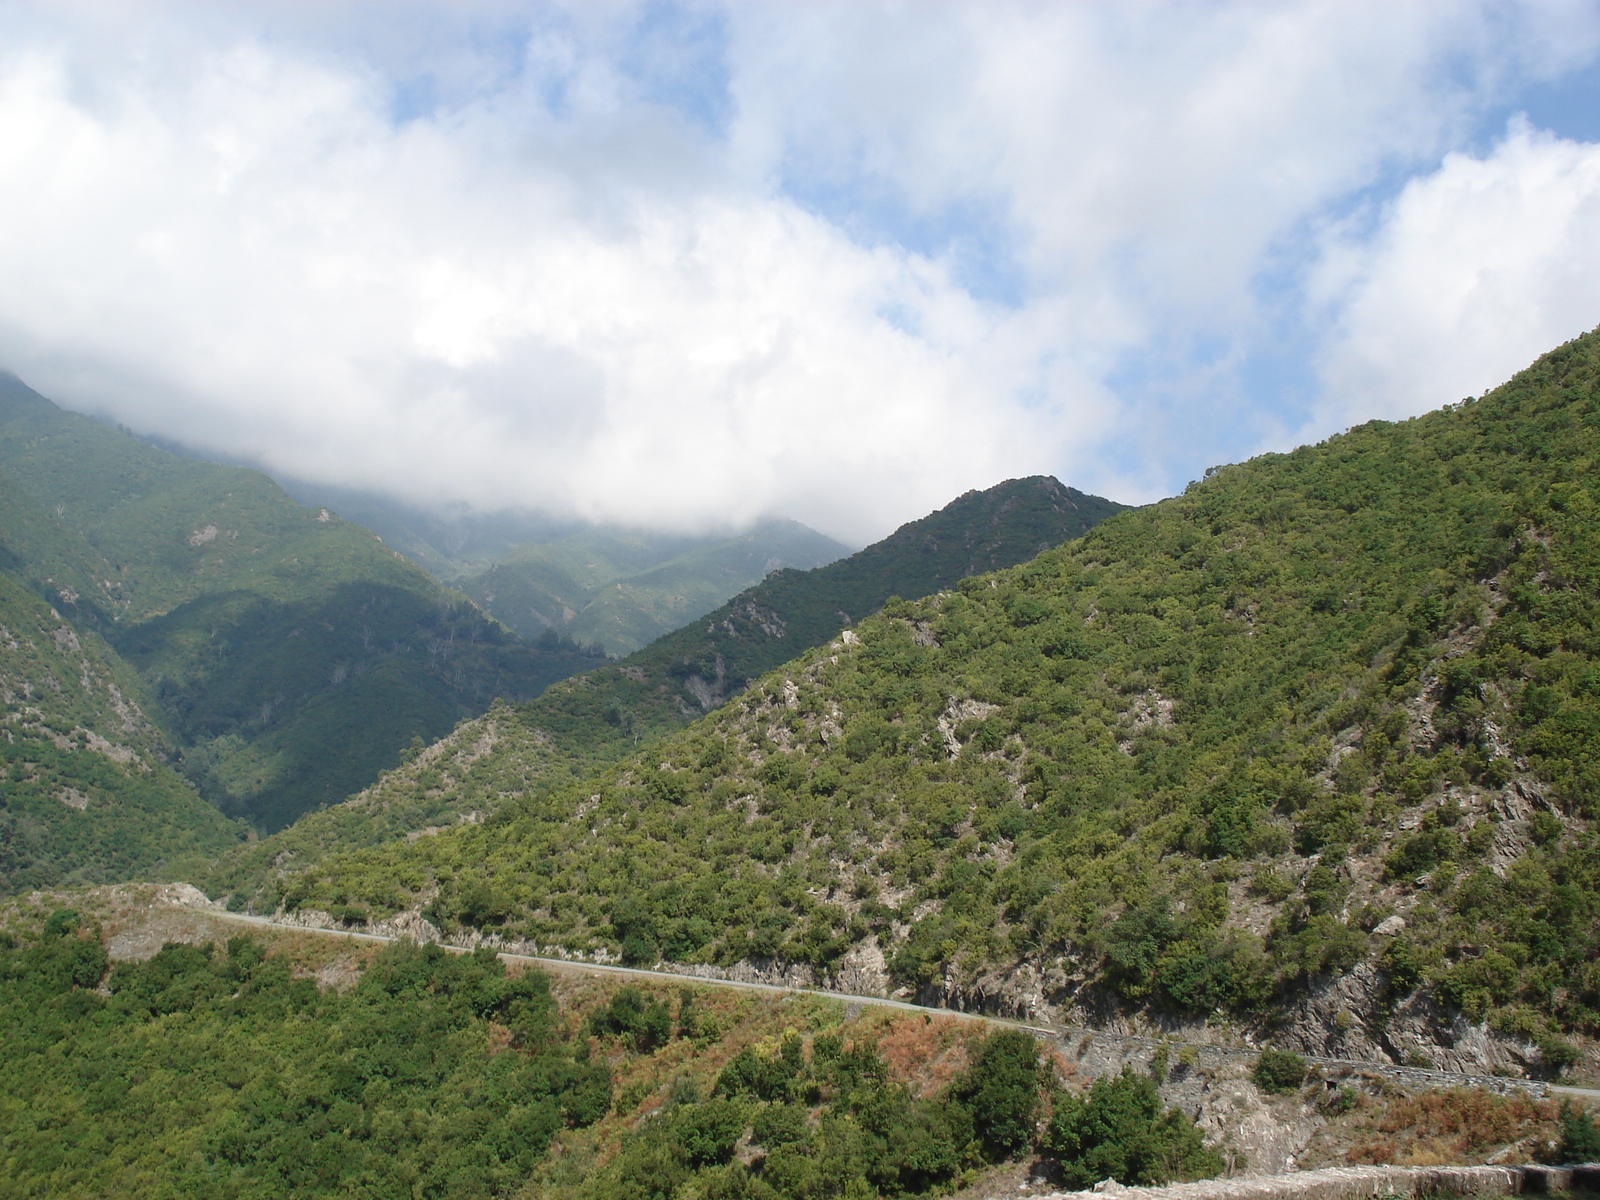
1279,1071
1580,1136
644,1022
1399,963
779,1125
1120,1131
1271,886
1001,1091
706,1133
1556,1053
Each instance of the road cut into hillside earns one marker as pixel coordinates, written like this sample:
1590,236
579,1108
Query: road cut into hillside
1097,1052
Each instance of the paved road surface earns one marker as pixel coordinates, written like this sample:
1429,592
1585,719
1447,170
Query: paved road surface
562,964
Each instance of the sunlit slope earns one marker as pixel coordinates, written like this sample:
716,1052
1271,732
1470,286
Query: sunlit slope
1195,758
85,794
794,610
290,653
602,715
598,716
605,714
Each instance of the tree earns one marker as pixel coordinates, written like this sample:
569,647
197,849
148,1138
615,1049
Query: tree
1580,1136
1001,1091
1120,1131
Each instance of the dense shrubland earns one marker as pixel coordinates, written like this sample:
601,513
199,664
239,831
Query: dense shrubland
826,1116
221,1072
256,1069
586,723
1323,688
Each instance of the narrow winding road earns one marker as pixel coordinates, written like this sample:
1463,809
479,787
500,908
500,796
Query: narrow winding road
1060,1031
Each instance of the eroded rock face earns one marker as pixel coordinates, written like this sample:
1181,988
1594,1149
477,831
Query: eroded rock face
772,972
1345,1017
411,925
1018,992
1266,1135
1340,1017
863,971
183,895
1421,1032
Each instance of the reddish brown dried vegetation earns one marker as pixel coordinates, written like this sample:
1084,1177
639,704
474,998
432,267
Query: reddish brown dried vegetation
926,1054
1433,1128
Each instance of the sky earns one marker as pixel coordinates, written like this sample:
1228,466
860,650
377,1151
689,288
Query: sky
687,265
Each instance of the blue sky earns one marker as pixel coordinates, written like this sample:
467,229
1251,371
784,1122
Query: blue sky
690,264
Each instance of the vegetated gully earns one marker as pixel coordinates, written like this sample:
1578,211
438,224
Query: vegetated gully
1441,1078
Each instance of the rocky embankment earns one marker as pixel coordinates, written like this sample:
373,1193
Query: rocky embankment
1358,1183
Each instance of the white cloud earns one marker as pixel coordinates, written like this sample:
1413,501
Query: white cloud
549,287
1476,270
273,268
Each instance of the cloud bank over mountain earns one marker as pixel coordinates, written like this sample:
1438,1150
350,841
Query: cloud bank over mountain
685,265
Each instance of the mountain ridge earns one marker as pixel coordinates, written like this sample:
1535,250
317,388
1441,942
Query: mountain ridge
1315,743
288,655
597,717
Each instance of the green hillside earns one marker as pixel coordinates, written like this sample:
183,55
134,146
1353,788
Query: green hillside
795,610
230,1074
290,654
595,717
599,717
85,794
228,1065
1194,760
622,589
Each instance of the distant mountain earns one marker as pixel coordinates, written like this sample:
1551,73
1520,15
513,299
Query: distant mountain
604,714
623,589
288,654
602,585
451,541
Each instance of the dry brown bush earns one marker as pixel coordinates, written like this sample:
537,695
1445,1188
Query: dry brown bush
1438,1127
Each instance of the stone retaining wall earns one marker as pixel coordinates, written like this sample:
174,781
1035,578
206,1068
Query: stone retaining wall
1100,1053
1362,1183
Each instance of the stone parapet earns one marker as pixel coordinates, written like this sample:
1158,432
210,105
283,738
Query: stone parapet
1363,1183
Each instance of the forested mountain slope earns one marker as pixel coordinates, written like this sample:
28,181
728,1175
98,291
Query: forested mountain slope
1328,713
154,1051
601,716
795,610
290,654
596,717
85,795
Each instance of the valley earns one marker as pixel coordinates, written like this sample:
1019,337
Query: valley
1302,759
614,587
1216,757
286,655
